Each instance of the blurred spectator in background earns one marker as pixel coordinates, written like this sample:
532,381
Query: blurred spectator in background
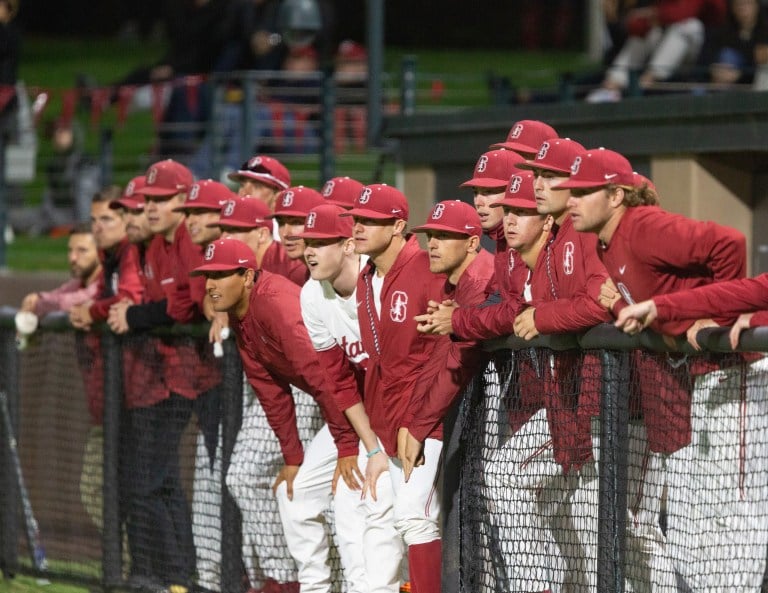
351,77
84,268
740,46
253,39
664,38
10,49
72,178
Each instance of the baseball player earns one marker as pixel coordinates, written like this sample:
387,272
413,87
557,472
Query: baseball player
393,286
329,309
525,137
201,214
265,316
289,214
697,435
248,220
342,191
453,238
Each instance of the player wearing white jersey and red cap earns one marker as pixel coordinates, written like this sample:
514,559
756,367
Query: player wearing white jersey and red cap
394,286
706,435
329,308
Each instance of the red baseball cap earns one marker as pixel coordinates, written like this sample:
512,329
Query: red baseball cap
641,180
351,51
380,202
225,255
325,222
244,213
131,199
167,178
526,136
597,168
266,169
206,195
342,191
453,216
493,169
296,201
555,154
519,192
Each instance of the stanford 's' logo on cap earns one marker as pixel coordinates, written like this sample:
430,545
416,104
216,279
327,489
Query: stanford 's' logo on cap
575,166
365,196
482,163
152,175
287,199
311,218
437,212
254,162
194,192
328,188
516,131
130,188
543,151
515,183
209,251
229,208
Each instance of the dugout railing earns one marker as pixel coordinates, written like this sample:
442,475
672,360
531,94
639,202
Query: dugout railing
50,420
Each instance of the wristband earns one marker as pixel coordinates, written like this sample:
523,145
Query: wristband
373,452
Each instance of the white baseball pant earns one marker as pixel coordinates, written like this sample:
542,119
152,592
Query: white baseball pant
718,485
206,515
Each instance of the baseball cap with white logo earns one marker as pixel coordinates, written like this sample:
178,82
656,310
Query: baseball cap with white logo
296,201
167,178
342,191
266,169
453,216
555,154
526,136
597,168
380,202
244,213
493,169
206,195
519,192
226,255
325,222
131,199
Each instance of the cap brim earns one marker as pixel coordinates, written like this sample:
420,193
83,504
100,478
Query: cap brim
269,180
217,268
288,213
513,203
158,191
127,203
576,184
516,147
486,182
448,229
345,205
311,235
531,165
187,206
372,214
237,224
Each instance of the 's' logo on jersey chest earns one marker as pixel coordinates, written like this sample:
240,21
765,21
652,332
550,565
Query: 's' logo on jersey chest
398,309
568,258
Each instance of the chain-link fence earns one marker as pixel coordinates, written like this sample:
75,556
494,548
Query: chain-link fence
578,463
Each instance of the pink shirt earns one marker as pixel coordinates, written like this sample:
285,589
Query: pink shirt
66,296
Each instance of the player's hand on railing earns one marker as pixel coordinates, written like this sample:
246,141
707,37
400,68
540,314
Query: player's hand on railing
117,319
286,474
348,469
690,335
633,319
741,324
437,319
377,465
410,451
609,295
525,324
80,316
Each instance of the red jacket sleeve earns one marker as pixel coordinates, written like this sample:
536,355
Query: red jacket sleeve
129,284
486,321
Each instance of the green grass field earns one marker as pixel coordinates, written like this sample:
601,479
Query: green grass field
26,584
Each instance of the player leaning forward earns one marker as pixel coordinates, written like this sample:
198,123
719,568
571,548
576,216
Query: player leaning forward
394,286
265,316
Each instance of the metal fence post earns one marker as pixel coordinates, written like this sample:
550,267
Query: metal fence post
113,400
231,419
612,469
328,110
9,490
